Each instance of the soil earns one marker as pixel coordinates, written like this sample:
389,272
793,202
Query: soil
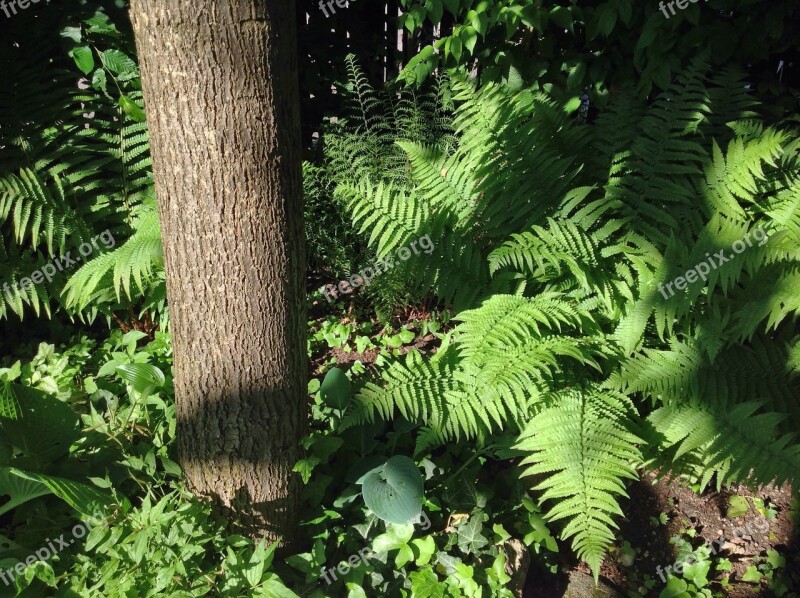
706,514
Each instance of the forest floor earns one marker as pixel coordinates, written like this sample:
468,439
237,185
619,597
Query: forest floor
661,518
659,512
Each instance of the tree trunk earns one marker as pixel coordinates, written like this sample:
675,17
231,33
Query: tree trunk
222,102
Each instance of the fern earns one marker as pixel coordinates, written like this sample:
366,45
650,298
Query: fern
578,443
73,164
137,262
567,233
736,445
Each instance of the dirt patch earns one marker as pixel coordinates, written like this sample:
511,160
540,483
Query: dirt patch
657,511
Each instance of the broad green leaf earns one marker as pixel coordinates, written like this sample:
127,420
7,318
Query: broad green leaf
404,555
44,427
697,573
396,537
273,587
752,575
21,486
435,10
737,506
572,105
775,560
423,549
452,6
84,59
425,583
394,492
19,489
336,389
470,538
676,588
143,377
562,17
454,46
132,109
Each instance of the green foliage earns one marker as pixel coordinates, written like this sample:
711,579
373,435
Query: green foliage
132,271
38,431
570,48
563,234
196,556
581,444
110,431
457,545
393,491
75,158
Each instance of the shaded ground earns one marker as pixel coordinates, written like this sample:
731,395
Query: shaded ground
656,512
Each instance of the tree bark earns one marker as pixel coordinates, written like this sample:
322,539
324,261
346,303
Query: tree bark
222,101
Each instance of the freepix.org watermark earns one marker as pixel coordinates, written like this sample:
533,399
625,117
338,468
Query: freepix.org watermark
5,5
330,3
366,553
62,263
703,269
682,4
52,548
367,274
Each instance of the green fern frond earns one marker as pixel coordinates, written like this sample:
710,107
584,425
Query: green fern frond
391,215
732,178
739,444
132,263
585,454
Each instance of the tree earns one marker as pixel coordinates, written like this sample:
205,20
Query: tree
221,93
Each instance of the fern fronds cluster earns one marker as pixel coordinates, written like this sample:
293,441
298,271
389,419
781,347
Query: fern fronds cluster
557,237
73,163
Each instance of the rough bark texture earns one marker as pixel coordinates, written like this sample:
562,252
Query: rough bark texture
222,101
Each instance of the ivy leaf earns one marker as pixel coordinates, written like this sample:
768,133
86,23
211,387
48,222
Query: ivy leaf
425,583
470,539
675,587
423,549
737,507
775,560
752,575
698,573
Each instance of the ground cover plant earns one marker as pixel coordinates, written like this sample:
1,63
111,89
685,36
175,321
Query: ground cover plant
549,313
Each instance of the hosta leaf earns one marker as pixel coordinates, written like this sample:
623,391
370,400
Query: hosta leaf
143,377
336,389
44,427
23,486
394,492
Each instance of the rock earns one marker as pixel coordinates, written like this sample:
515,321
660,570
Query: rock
518,559
582,585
